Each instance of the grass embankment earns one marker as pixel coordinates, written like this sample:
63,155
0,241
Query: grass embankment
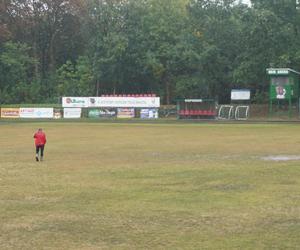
143,186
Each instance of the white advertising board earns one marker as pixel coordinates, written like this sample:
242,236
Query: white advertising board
124,102
240,94
72,112
36,112
75,102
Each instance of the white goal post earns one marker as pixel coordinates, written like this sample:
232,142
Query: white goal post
232,112
242,112
226,112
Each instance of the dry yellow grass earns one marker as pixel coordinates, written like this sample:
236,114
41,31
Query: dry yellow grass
150,186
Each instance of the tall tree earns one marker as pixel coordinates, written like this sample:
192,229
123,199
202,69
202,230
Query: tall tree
107,42
16,81
49,26
4,31
218,31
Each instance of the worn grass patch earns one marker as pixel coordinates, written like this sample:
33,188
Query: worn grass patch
150,186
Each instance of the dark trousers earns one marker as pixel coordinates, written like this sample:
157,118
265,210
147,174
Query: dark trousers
39,148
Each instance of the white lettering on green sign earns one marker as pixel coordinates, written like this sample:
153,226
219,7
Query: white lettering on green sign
278,72
282,72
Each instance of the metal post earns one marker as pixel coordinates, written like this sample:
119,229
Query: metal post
290,108
270,107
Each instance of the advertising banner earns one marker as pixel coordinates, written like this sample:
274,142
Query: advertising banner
240,94
72,112
36,112
10,113
125,113
124,102
102,113
149,113
75,102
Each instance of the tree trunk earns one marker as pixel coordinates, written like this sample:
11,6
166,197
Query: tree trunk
36,56
97,87
168,90
52,62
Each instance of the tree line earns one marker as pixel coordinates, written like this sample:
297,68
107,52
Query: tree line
174,48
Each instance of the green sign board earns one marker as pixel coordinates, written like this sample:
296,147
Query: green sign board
284,88
102,113
283,83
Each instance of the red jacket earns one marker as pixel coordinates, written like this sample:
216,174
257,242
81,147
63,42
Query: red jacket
39,138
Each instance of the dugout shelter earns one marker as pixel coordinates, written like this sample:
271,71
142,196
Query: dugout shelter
196,109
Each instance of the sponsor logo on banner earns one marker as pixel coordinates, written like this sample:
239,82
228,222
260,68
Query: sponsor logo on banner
10,112
57,114
149,113
124,102
93,101
125,113
102,113
75,102
72,112
36,112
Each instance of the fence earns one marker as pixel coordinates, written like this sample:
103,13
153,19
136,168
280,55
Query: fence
76,113
256,112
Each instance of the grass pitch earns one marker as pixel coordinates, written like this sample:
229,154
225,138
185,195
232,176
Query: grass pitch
150,186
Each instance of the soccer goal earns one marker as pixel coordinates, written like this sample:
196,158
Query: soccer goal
226,112
241,112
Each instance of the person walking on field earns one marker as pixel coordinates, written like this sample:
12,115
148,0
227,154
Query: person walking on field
40,141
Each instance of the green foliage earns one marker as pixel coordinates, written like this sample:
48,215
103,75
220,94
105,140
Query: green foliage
16,82
191,87
74,79
174,48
